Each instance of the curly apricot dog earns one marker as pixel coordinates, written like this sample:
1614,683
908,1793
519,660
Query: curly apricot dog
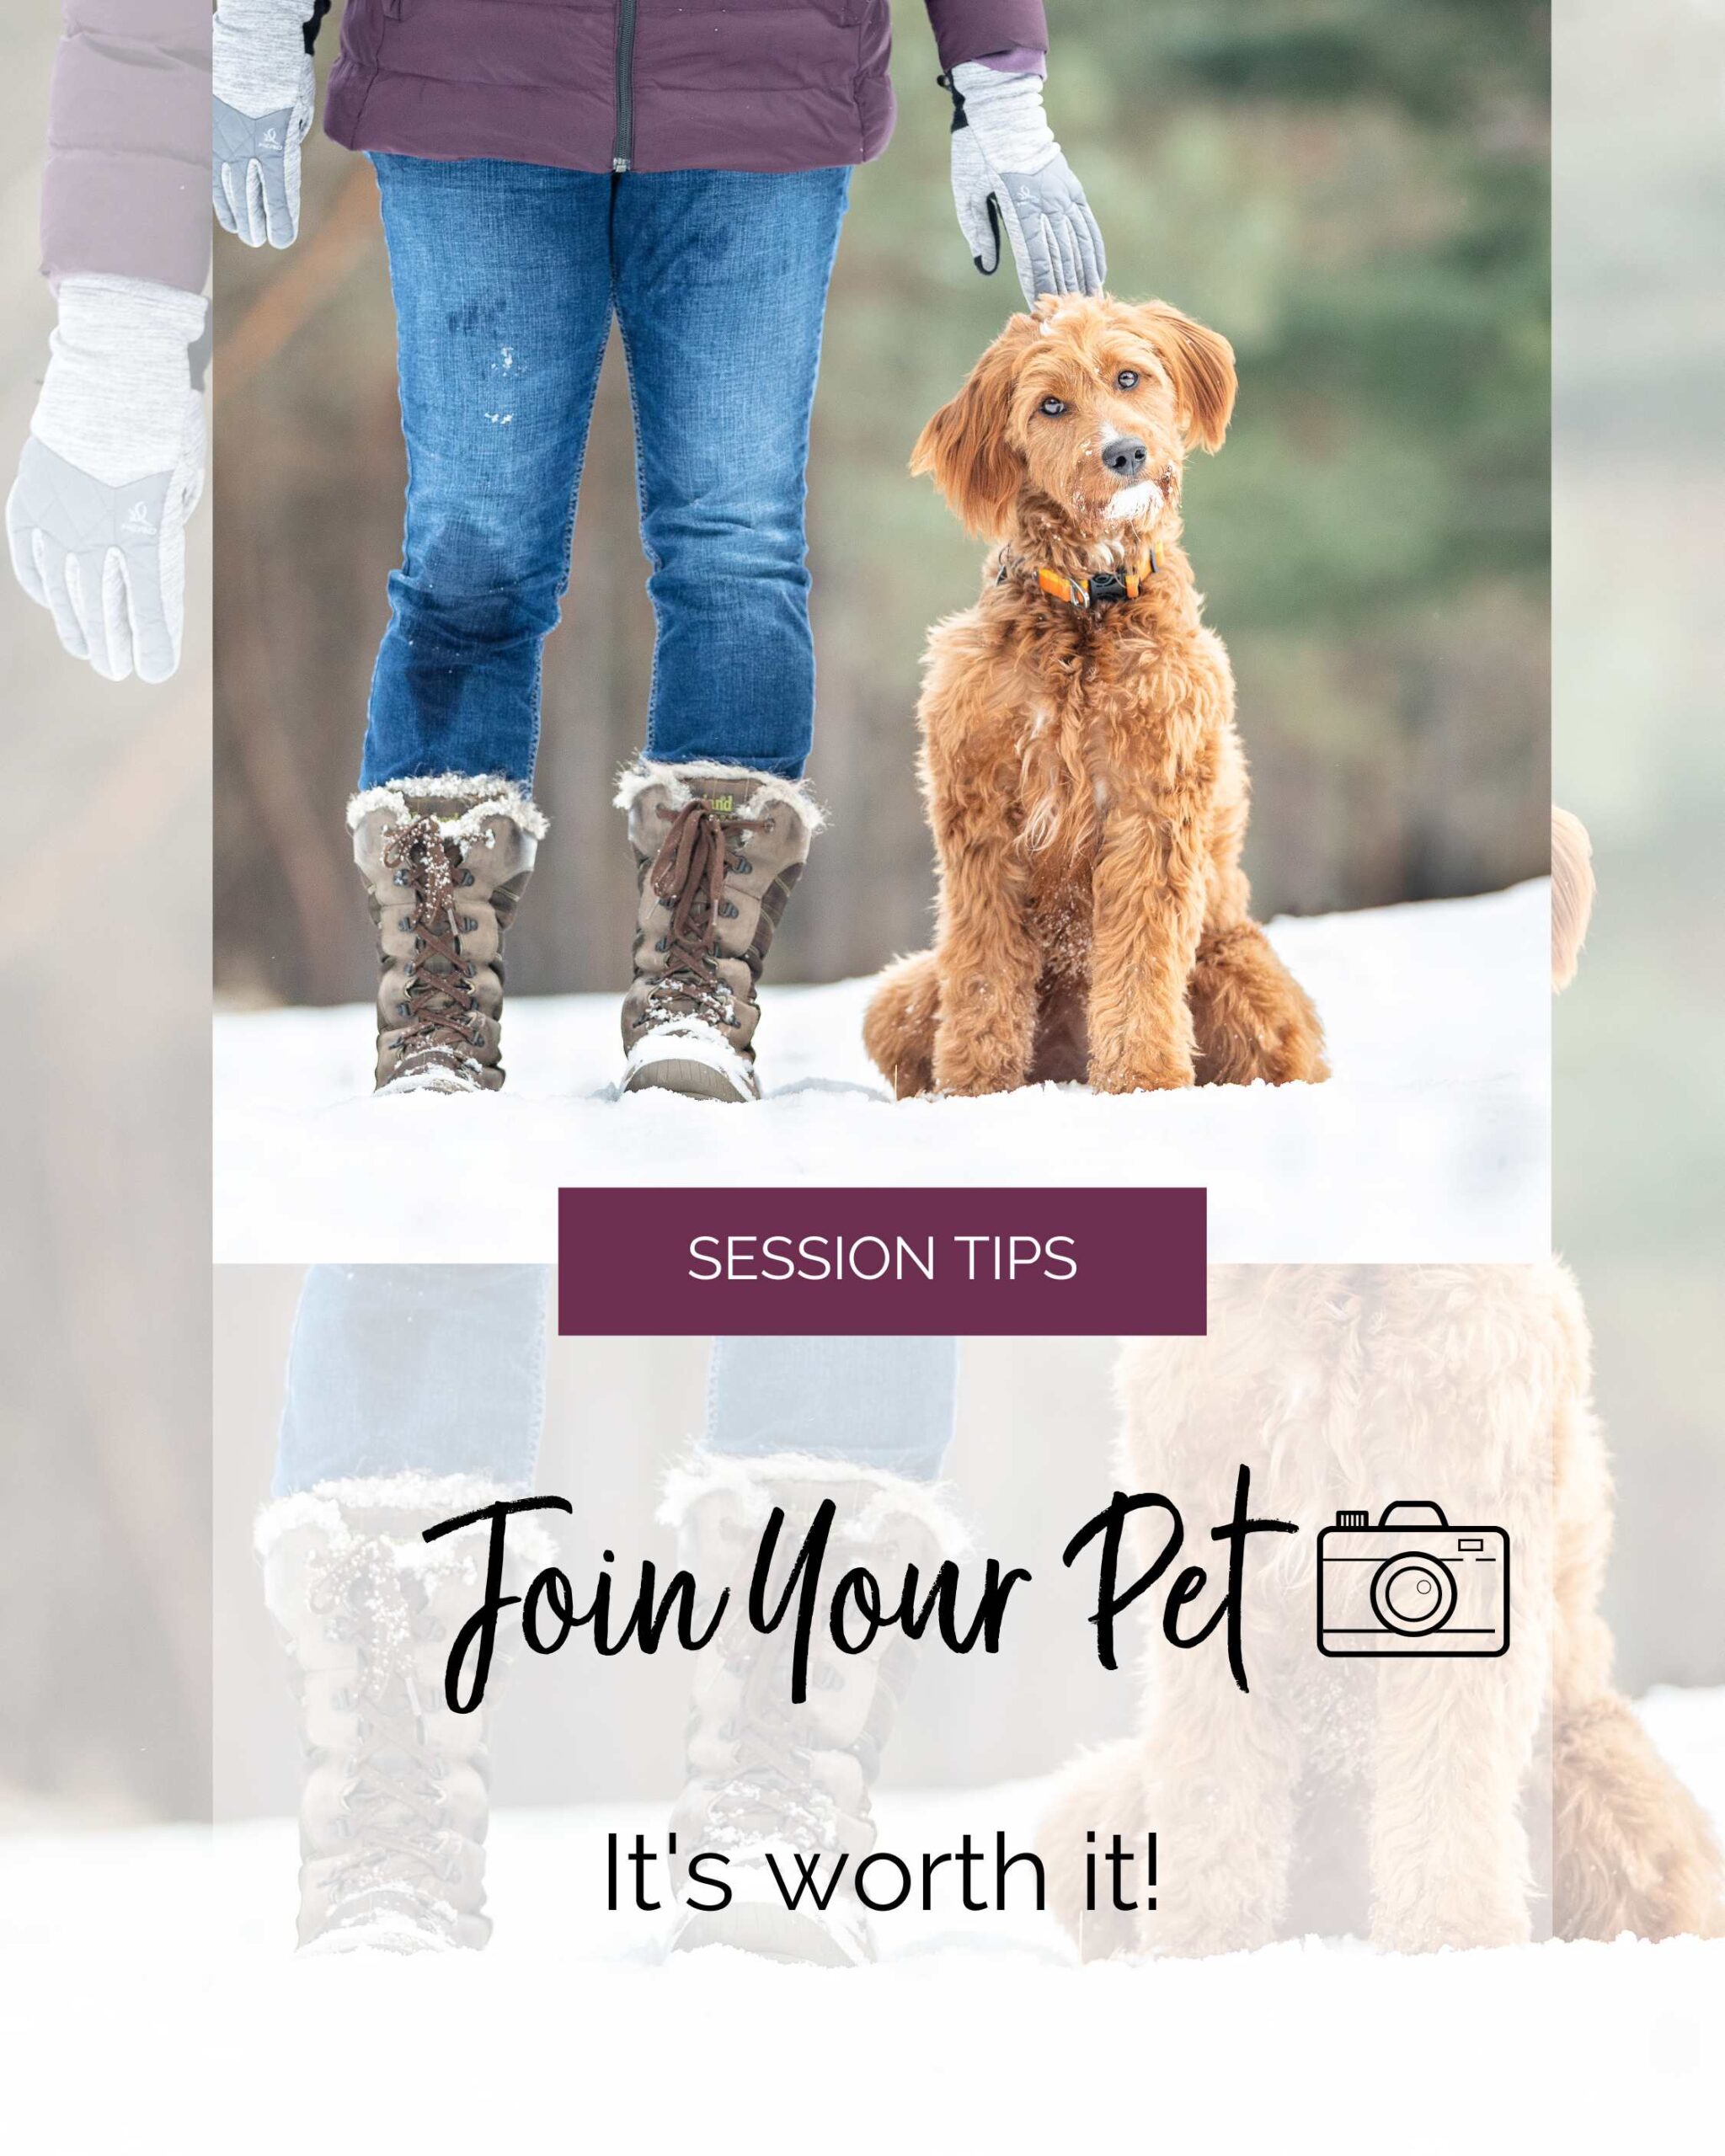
1390,1798
1084,780
1386,1796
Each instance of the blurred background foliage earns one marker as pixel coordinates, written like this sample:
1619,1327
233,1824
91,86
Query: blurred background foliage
1639,755
1355,191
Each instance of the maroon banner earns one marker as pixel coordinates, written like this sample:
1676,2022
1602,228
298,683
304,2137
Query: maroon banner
848,1262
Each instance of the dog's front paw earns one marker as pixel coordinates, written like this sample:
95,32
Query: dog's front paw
971,1060
1148,1071
1434,1926
970,1078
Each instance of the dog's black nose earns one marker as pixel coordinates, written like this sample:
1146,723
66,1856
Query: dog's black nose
1125,456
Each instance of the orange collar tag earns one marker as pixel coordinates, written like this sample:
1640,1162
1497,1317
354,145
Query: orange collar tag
1063,587
1076,591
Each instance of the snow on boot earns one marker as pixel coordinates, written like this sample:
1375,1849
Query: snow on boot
718,852
445,863
394,1808
766,1777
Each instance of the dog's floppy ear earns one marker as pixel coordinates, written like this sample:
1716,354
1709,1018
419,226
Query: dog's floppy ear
1201,365
967,446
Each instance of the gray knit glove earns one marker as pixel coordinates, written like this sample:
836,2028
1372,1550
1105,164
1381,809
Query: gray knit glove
112,468
267,91
1008,174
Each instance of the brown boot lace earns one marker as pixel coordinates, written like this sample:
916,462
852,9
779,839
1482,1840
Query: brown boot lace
698,853
441,1003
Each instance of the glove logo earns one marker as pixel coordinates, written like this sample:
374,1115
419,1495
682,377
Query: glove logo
269,140
138,523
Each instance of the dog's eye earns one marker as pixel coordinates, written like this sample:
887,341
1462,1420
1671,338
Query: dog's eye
1053,408
1128,380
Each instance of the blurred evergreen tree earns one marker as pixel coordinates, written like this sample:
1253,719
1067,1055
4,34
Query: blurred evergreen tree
1400,358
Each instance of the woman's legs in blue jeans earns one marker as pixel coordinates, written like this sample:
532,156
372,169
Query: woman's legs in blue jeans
505,277
437,1370
721,283
421,1370
502,281
883,1404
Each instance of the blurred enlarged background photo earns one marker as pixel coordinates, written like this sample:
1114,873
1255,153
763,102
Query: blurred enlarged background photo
103,1436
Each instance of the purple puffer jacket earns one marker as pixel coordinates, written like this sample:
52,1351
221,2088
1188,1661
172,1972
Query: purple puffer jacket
126,191
642,85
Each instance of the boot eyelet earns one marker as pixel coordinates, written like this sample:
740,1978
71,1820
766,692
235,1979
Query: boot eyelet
661,945
467,878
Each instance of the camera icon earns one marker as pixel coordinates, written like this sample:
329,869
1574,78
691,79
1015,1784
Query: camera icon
1412,1585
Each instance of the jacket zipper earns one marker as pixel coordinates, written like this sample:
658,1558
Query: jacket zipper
623,149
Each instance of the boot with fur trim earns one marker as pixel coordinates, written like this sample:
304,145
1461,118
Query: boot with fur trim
718,852
394,1804
766,1777
445,863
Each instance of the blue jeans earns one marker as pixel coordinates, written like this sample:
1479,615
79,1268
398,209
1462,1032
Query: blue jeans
505,279
440,1369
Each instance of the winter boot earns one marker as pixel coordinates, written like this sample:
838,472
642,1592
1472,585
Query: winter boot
767,1777
445,861
718,853
393,1812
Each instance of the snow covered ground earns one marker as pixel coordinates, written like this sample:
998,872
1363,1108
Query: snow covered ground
1430,1143
150,2003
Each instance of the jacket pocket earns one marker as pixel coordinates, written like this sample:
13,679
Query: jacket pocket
395,9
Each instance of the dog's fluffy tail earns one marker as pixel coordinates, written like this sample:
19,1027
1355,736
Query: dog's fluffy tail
1572,894
1104,1791
1631,1849
899,1030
